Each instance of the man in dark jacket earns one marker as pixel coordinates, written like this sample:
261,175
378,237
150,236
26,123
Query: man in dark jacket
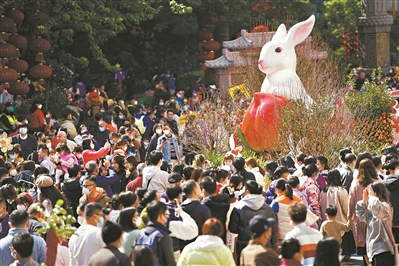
110,254
71,187
218,204
101,135
28,143
239,164
346,170
34,216
161,244
252,203
192,205
392,184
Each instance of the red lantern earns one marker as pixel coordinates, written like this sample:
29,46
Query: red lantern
6,24
15,15
18,88
18,41
204,35
201,58
39,46
7,75
19,65
40,72
260,28
211,45
7,50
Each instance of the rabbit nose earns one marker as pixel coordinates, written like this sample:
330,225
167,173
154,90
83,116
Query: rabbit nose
260,62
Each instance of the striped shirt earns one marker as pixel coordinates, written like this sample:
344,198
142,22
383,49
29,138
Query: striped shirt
308,237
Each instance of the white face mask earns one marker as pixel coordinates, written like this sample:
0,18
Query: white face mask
91,146
166,132
397,172
48,145
47,116
86,191
39,106
159,131
23,130
13,172
81,219
161,103
21,207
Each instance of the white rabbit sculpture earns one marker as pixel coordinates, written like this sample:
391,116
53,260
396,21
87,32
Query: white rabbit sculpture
278,61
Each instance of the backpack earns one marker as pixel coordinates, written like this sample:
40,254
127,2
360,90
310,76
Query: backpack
150,241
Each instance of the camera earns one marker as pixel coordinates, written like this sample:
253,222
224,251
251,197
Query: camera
163,138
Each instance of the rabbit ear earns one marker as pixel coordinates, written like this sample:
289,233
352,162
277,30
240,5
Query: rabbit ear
300,31
280,34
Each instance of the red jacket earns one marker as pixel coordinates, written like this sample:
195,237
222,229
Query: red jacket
93,155
136,183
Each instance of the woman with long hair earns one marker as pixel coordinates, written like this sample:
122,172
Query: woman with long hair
117,164
280,206
376,211
127,220
89,153
259,172
335,194
367,174
36,117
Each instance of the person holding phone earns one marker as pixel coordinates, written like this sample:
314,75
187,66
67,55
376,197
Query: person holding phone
169,145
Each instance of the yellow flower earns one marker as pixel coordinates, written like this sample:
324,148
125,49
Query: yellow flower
5,143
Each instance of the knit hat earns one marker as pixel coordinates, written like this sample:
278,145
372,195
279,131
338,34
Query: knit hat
44,181
259,224
111,232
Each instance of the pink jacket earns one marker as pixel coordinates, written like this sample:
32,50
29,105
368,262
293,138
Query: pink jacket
359,228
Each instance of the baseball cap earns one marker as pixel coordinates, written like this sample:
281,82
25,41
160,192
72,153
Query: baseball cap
259,224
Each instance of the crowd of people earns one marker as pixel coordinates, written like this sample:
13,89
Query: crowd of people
137,200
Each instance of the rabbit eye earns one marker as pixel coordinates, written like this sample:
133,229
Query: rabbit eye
278,50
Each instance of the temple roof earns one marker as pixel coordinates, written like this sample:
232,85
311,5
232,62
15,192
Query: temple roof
255,40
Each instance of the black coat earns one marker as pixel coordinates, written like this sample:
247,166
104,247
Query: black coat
109,255
28,145
72,191
219,205
346,176
242,214
392,184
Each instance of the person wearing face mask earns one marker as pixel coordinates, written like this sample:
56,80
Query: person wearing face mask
28,142
158,132
8,119
68,124
128,219
172,103
169,146
87,239
15,156
36,117
252,203
112,236
158,214
92,193
101,135
89,153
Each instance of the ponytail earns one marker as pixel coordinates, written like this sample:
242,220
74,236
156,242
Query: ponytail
289,192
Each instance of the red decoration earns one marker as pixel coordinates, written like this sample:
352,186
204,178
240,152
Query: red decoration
18,41
18,88
260,28
19,65
204,35
201,58
6,24
39,45
211,45
37,18
15,15
7,75
7,50
40,72
261,124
